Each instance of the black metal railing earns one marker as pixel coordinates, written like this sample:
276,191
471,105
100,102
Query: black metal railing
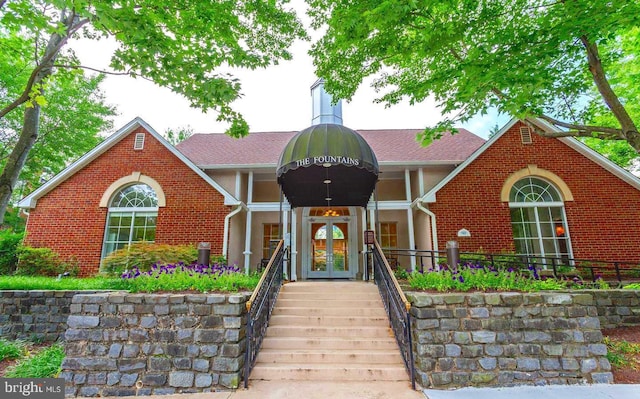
260,306
397,307
559,267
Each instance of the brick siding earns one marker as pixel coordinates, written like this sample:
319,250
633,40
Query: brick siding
603,219
70,221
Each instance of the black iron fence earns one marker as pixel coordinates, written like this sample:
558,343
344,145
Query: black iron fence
546,266
260,306
397,307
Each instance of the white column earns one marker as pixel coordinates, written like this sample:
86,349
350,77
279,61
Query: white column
294,246
248,229
285,231
247,243
363,215
412,238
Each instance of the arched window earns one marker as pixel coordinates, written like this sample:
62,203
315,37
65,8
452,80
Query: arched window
132,217
538,219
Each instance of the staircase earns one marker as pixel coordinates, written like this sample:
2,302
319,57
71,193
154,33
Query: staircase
329,331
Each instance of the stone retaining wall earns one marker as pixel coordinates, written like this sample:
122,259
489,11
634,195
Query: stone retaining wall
617,308
35,315
504,339
121,344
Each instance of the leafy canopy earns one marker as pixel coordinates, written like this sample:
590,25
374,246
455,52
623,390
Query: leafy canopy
185,45
524,57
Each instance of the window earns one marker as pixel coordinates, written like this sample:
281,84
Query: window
388,235
271,231
132,217
538,220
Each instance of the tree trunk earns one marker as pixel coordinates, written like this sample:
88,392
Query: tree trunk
29,133
18,157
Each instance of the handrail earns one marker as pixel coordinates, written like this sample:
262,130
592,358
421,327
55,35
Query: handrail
260,305
608,270
397,307
263,277
406,302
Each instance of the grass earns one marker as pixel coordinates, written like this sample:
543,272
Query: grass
44,364
179,277
474,276
12,349
620,353
52,283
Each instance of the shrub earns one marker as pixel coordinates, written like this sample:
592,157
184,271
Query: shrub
44,364
42,262
144,255
9,242
634,286
181,277
401,274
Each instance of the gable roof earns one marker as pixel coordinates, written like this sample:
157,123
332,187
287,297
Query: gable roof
30,200
575,144
391,146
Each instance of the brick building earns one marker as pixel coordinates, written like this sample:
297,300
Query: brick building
517,192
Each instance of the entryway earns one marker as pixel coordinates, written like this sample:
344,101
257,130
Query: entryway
329,249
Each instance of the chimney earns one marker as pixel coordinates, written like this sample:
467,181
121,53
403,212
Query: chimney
322,110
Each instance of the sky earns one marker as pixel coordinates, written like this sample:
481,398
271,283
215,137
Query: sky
277,98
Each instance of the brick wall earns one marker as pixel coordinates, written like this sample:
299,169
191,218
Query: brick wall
603,218
70,221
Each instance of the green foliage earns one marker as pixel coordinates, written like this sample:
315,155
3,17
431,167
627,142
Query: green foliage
633,286
184,281
13,220
11,349
619,353
480,279
187,47
401,274
177,136
9,243
144,255
42,262
70,123
522,57
52,283
44,364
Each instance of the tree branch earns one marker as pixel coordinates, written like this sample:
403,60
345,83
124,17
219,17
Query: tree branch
579,130
91,69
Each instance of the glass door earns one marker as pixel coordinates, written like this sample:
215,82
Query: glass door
329,249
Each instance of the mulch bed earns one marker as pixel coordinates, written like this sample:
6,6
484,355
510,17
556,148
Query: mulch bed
628,375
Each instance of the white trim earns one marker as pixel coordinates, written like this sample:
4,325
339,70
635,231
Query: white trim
31,200
268,206
135,177
250,166
389,205
294,246
412,238
575,144
247,243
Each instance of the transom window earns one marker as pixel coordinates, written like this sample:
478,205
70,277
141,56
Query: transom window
538,220
132,217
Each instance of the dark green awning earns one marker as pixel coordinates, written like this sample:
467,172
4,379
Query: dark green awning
327,165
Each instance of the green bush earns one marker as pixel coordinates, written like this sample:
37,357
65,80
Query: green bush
144,255
9,242
42,262
634,286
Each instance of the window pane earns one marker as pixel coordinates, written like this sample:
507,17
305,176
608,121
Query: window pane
136,196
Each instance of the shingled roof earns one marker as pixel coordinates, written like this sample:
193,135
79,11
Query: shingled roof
389,145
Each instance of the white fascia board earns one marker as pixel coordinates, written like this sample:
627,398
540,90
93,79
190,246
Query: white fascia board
389,205
30,201
248,166
430,196
268,206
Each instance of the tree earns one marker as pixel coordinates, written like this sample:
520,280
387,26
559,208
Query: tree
69,125
180,44
527,58
177,136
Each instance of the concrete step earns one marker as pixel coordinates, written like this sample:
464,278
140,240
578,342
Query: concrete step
331,286
299,295
336,303
345,312
328,321
313,356
356,343
329,332
328,372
